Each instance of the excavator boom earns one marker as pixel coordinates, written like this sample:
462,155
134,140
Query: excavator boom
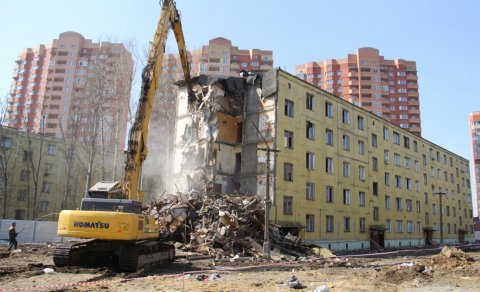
111,219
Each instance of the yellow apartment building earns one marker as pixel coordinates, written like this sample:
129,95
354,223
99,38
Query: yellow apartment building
343,177
33,174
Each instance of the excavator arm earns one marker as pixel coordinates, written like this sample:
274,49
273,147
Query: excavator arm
137,150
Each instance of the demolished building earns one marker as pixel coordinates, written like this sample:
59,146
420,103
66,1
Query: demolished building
332,181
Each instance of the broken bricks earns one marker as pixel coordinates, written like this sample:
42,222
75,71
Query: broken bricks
220,225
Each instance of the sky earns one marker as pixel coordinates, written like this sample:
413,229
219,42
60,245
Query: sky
442,36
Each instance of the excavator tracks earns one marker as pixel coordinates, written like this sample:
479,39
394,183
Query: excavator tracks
126,256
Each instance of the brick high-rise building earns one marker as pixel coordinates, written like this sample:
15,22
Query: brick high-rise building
474,123
387,88
57,88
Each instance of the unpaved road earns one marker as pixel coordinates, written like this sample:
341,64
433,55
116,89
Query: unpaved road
25,270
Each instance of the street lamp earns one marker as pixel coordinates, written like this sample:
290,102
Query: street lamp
266,234
440,194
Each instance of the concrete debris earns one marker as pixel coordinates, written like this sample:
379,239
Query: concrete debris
294,283
221,226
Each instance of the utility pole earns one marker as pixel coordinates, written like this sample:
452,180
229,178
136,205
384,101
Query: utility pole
440,194
266,234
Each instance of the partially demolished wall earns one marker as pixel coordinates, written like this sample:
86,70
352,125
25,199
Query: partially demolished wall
215,141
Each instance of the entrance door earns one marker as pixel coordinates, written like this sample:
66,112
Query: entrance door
377,239
461,236
427,236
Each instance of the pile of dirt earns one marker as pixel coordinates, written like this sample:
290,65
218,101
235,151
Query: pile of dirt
450,258
404,273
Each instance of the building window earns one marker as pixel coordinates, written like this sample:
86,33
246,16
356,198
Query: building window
385,133
374,140
388,203
408,204
375,188
399,226
310,101
396,138
310,191
328,109
329,194
22,195
361,147
363,225
329,165
346,169
330,224
388,225
347,200
346,142
329,137
27,156
288,171
397,159
361,173
310,131
310,160
398,181
406,142
46,187
51,150
374,163
6,142
287,205
345,116
361,199
386,156
43,207
398,204
289,108
417,204
360,123
19,214
309,222
415,146
408,183
376,214
24,175
288,139
387,178
346,224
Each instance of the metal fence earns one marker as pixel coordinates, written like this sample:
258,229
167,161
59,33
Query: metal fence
30,231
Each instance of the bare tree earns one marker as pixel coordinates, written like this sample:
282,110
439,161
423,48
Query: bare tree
33,163
7,158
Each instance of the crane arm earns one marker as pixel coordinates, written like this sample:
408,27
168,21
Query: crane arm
137,142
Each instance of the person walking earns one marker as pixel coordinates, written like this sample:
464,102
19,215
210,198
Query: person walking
12,236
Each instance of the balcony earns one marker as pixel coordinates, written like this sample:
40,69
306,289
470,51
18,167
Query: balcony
412,101
413,94
412,77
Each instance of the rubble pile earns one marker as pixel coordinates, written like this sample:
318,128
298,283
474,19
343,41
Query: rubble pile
450,258
220,225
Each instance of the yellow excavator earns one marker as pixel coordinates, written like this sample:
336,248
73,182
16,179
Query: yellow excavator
110,221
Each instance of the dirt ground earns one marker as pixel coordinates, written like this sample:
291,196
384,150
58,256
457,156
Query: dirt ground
450,270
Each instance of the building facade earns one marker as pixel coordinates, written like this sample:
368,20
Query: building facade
34,169
340,176
387,88
474,124
67,89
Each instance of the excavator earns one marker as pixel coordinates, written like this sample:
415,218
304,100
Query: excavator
110,226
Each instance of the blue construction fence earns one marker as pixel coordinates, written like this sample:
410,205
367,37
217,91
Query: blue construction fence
30,231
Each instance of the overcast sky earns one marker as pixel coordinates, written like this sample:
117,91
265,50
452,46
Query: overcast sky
441,36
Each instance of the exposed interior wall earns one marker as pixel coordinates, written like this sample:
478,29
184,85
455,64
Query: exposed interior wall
215,143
